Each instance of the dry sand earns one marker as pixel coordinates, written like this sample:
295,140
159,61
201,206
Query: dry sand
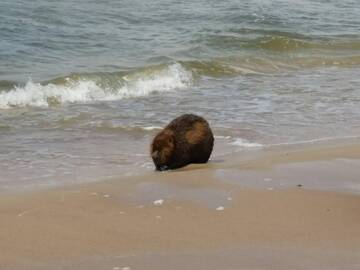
192,218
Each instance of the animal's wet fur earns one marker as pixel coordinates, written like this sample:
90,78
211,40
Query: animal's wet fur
187,139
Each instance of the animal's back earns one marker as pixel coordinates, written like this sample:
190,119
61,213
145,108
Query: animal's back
185,123
194,136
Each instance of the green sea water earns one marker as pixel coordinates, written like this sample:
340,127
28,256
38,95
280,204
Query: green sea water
84,85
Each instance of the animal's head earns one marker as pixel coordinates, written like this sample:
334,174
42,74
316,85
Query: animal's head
162,149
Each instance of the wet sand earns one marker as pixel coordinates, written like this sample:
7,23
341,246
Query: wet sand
200,217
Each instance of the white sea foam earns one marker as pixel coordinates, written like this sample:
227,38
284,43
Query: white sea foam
222,137
35,94
158,202
151,128
82,91
317,140
246,144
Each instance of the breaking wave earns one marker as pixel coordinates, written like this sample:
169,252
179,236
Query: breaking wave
89,88
246,144
141,82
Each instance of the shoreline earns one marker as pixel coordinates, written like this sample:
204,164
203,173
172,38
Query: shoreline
257,158
202,211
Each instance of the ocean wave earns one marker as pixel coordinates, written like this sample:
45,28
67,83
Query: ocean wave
88,89
6,85
317,141
277,41
285,43
111,128
141,82
150,128
267,65
246,144
243,143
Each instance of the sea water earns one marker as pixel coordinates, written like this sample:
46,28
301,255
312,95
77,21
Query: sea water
85,85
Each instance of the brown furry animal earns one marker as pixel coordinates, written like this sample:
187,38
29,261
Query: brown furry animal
187,139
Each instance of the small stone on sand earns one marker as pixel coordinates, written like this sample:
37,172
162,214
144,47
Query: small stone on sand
158,202
220,208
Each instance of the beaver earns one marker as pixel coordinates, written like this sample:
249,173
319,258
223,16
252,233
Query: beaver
186,139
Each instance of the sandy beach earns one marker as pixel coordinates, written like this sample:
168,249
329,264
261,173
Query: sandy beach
200,217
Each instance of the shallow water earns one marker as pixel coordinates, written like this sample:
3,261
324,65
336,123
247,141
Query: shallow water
85,86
